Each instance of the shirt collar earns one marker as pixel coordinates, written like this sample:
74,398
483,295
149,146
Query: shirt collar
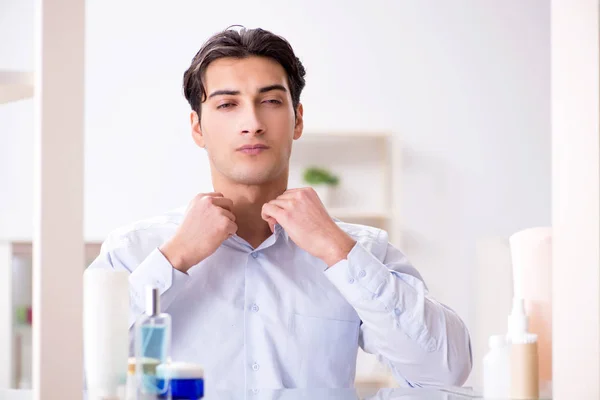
278,234
279,231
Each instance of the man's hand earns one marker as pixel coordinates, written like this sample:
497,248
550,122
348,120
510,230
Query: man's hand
304,218
207,223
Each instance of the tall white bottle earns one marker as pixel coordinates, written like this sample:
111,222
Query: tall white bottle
105,331
496,369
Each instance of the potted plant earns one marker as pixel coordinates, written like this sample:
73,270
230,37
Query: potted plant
322,181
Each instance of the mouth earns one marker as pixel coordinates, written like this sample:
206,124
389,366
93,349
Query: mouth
253,149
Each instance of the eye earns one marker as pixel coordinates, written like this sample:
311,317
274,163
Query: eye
224,106
272,101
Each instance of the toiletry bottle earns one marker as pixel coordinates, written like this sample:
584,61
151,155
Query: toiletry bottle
105,331
186,380
152,344
518,322
524,374
496,369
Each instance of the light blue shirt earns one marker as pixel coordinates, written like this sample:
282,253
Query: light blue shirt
277,317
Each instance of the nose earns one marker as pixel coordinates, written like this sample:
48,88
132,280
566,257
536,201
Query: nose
252,123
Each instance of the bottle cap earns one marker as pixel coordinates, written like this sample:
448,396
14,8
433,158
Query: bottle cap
180,370
526,338
517,320
152,301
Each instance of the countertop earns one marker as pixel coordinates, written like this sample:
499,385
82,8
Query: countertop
312,394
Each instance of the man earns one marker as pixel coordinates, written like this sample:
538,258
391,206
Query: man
264,288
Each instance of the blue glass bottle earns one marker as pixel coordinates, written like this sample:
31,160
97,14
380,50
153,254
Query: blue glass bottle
152,345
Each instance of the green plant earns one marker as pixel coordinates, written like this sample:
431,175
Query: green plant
316,176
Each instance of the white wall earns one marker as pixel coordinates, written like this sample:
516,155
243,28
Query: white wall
576,199
464,84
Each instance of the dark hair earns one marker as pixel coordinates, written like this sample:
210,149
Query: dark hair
241,44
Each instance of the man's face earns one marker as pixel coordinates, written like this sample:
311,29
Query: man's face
247,121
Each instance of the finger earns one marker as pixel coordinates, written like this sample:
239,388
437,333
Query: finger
271,221
286,204
227,213
212,194
287,195
272,211
201,196
223,202
293,193
231,228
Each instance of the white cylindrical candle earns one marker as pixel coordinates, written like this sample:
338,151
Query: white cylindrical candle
105,331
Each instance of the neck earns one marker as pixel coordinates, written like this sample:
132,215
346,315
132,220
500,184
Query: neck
247,206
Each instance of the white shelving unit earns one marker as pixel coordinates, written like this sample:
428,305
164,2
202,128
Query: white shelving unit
15,338
14,86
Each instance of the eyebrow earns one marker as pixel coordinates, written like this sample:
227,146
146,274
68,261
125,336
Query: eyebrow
265,89
272,87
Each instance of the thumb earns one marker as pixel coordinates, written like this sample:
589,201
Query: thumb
272,223
267,216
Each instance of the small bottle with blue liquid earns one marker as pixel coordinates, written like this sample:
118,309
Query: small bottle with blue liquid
152,347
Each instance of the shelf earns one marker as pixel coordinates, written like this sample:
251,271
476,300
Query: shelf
22,329
24,246
15,85
356,213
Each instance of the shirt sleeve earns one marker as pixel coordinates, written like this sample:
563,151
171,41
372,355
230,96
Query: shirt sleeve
146,267
423,342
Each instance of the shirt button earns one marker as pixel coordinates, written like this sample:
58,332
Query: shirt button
254,308
397,311
362,274
255,367
351,280
431,345
255,255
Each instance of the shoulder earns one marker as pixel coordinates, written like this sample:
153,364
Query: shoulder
146,233
373,239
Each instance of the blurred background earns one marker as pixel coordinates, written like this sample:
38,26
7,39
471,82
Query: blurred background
434,116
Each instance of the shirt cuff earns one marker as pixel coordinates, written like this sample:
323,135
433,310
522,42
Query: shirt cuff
156,271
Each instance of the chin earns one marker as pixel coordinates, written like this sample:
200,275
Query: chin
252,180
254,177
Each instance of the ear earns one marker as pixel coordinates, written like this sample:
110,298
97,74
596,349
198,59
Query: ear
196,129
299,126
